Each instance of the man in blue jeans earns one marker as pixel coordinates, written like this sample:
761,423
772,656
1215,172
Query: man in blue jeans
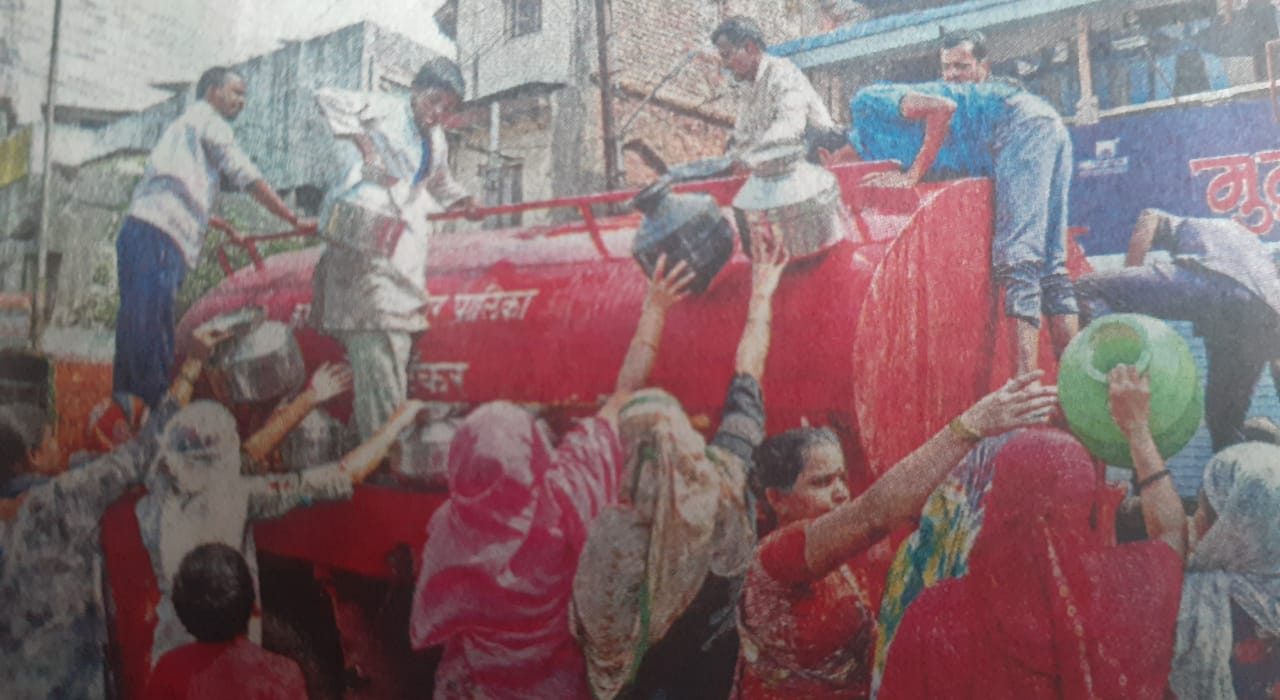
993,129
1222,279
165,227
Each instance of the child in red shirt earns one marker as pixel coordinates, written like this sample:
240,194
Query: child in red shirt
213,595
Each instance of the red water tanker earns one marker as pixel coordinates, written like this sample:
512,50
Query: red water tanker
883,337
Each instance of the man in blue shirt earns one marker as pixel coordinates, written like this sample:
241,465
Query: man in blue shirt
1221,278
988,129
964,57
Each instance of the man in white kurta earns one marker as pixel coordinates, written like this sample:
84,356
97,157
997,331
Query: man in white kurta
778,104
371,302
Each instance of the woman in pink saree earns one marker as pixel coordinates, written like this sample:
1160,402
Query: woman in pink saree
498,566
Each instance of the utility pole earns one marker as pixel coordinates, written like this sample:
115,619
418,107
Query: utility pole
39,303
604,25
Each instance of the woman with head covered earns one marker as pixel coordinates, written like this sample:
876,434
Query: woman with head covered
654,593
499,564
1229,619
196,494
1050,607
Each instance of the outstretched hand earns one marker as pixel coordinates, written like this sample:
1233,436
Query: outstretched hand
1022,401
668,286
1130,398
889,178
330,380
844,154
769,258
208,336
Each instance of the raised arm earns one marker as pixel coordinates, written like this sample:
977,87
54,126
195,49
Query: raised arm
1130,394
665,289
363,460
1142,238
205,338
936,113
768,259
329,380
901,492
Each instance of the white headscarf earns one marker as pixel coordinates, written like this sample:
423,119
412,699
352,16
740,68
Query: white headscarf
1238,559
645,560
194,495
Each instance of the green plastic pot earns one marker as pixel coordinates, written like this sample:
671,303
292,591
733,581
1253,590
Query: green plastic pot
1177,398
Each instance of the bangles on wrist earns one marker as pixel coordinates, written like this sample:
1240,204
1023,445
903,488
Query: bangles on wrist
964,432
1137,488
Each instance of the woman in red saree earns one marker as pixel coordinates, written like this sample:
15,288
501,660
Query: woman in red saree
1050,608
806,628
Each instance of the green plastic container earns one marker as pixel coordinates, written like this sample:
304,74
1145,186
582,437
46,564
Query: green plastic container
1177,398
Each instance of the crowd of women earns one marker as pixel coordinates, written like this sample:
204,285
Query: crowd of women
635,559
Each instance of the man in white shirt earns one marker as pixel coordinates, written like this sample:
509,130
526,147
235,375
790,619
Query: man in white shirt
778,103
165,227
373,301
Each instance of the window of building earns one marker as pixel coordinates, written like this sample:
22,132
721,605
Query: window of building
524,17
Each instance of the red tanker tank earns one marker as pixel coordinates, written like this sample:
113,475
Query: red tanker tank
884,337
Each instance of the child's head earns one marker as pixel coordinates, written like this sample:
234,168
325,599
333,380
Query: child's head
213,593
29,444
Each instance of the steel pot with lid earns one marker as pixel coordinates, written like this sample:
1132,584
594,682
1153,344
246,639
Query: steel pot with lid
367,219
684,227
264,364
423,455
792,199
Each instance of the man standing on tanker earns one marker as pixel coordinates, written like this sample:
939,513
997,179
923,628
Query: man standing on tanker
992,129
778,104
164,228
964,57
373,301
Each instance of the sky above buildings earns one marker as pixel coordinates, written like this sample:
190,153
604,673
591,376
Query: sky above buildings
111,51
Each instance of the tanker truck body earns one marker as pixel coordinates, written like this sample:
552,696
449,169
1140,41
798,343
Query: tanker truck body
883,337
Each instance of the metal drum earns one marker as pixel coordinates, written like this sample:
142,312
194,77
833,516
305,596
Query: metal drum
793,200
367,220
265,364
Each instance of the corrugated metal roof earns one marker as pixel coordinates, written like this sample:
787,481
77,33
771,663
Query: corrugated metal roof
897,31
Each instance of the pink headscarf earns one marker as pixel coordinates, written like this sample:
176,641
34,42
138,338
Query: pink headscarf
498,565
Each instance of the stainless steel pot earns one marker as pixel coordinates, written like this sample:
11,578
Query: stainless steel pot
318,439
265,364
424,452
792,199
367,220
